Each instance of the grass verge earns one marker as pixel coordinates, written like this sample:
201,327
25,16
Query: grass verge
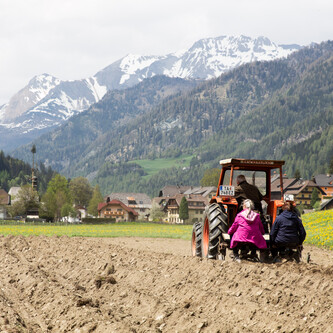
126,229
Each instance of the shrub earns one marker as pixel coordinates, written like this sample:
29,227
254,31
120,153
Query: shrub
100,220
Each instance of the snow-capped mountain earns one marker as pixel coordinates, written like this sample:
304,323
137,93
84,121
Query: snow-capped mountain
207,58
29,96
47,102
64,101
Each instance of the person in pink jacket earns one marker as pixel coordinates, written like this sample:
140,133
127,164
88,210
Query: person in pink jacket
247,228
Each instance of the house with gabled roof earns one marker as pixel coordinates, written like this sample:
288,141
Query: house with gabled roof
325,182
196,207
13,192
205,191
117,210
172,190
326,204
301,190
139,202
4,201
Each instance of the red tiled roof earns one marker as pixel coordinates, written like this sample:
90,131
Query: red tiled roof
116,202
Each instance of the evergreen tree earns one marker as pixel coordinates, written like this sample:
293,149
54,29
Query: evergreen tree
314,197
297,174
183,209
331,166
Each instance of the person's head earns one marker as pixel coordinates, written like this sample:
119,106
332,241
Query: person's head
287,206
248,205
240,179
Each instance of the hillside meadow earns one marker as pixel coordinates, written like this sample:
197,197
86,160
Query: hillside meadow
318,225
152,167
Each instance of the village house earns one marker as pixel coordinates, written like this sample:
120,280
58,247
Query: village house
172,190
13,192
117,210
301,190
139,202
327,204
325,182
205,191
196,208
81,211
161,201
4,202
169,195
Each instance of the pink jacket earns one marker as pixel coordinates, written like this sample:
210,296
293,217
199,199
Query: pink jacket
247,229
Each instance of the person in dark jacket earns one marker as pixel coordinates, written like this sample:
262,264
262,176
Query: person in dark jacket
244,191
287,230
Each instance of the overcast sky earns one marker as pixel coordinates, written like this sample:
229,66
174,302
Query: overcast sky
74,39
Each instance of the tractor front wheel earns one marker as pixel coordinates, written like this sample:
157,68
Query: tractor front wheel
215,223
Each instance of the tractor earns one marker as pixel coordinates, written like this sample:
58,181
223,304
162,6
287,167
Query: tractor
209,237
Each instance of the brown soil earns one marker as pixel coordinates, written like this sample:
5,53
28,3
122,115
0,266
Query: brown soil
61,284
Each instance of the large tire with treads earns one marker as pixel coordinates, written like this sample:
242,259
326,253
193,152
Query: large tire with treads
215,223
196,239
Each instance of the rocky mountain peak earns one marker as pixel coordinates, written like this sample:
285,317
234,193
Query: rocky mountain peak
47,102
37,88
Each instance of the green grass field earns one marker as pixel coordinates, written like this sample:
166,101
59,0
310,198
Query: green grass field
126,229
154,166
318,225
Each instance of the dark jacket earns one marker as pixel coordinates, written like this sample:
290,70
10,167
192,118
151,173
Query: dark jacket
288,228
248,191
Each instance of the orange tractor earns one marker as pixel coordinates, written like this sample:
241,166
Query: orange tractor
209,237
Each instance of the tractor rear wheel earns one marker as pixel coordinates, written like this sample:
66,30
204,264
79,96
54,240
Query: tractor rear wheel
215,223
196,239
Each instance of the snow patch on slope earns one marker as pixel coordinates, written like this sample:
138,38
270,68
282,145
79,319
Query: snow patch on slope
97,90
132,64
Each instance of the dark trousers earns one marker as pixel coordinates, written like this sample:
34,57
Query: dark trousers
241,246
277,248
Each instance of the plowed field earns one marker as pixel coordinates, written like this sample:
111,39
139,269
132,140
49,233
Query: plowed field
61,284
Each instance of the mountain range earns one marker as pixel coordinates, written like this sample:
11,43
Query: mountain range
47,102
279,109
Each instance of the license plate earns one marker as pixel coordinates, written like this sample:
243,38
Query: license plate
227,190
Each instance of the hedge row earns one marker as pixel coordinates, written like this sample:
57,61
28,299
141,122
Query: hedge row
100,220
